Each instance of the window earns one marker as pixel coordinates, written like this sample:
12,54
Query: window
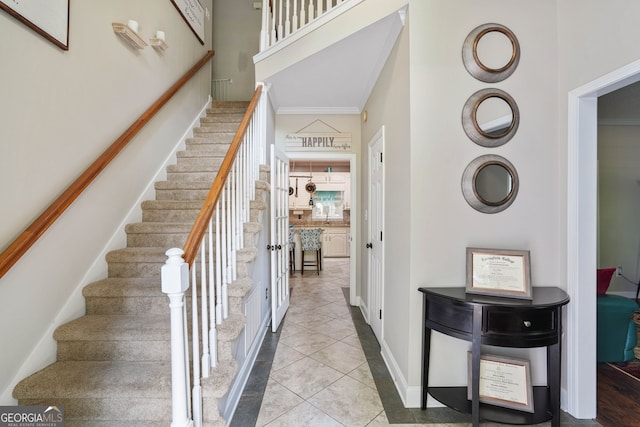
327,205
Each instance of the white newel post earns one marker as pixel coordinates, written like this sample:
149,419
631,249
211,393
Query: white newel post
175,281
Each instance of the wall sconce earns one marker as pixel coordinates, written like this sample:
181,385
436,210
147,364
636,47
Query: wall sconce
158,41
129,33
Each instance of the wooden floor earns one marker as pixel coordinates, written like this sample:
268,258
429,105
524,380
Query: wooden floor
618,398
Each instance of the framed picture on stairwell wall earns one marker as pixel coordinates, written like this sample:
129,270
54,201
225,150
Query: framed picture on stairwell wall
49,18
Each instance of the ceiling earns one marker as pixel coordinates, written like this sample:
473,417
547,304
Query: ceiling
338,78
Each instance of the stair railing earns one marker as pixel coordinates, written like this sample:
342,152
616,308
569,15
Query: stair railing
33,232
207,263
283,18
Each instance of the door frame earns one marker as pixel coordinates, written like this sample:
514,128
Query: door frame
582,179
378,136
355,199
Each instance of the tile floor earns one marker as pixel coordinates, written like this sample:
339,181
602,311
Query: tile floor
317,369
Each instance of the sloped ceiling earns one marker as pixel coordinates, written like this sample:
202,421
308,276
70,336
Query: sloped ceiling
339,78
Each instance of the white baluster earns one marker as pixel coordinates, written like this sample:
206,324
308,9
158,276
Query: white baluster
319,10
196,397
274,34
287,24
264,31
303,14
175,282
213,333
295,15
206,361
311,11
226,249
280,27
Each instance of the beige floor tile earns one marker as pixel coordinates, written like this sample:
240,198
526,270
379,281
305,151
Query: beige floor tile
284,357
349,401
277,400
306,342
352,340
340,356
308,319
305,415
306,377
363,374
336,329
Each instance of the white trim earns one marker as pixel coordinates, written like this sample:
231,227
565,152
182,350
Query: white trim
318,110
619,122
579,399
242,376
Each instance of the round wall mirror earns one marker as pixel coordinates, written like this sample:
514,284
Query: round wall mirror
490,117
491,53
490,184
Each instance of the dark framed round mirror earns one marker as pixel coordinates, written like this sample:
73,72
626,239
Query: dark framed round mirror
490,184
491,53
490,117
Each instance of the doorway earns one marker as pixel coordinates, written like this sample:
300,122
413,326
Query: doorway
300,159
582,236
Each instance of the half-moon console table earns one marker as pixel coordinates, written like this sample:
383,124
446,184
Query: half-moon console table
501,322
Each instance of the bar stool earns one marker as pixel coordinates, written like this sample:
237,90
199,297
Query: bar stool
292,251
310,241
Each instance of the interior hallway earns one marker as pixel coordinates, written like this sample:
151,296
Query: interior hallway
323,367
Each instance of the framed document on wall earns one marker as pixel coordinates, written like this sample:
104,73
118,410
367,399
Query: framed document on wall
499,272
193,14
49,18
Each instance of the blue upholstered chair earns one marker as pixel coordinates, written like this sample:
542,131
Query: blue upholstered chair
616,330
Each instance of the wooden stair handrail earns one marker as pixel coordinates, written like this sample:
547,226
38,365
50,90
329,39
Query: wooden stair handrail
33,232
196,235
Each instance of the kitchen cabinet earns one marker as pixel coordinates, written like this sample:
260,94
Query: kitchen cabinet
335,242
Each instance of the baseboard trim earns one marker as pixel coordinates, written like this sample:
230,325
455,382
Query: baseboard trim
235,392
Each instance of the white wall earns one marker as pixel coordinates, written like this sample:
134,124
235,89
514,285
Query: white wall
619,204
236,38
60,110
432,223
388,105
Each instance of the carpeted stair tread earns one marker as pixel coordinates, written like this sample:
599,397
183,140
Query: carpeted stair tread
115,328
132,255
123,287
101,379
172,204
209,138
158,227
205,151
240,287
220,379
194,165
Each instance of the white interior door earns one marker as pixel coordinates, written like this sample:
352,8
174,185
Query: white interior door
279,242
374,239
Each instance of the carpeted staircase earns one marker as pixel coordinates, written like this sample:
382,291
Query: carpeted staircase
113,365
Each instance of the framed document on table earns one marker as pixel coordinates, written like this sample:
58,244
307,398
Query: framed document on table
499,272
505,382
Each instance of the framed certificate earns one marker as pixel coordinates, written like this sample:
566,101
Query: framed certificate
499,272
505,382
